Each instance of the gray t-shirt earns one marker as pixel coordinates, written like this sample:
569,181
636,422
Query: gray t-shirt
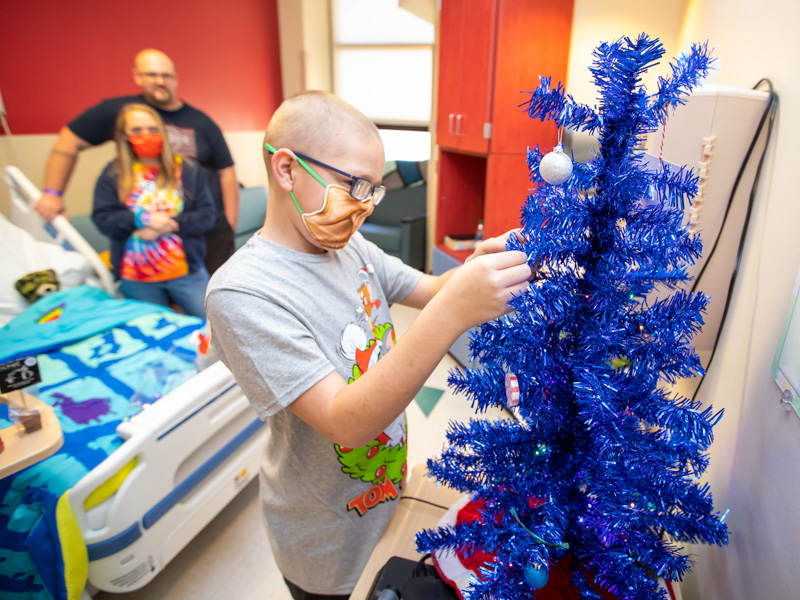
281,321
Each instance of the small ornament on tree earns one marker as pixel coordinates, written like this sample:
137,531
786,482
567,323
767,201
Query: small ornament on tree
535,576
512,390
556,167
614,457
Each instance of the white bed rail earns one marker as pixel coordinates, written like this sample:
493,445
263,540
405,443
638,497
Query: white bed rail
194,450
23,198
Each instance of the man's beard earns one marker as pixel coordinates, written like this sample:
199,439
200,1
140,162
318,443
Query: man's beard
165,98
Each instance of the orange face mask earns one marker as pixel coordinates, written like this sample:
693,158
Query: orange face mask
342,212
339,218
146,145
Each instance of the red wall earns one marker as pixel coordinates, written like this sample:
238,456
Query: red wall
59,57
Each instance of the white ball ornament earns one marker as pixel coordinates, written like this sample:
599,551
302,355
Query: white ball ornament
555,167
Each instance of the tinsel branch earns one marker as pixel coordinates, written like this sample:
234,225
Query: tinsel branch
674,186
687,71
548,104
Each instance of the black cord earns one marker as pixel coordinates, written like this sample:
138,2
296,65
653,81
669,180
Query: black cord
769,113
423,570
738,179
424,502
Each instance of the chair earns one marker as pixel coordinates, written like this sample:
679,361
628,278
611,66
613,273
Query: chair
90,232
252,212
397,225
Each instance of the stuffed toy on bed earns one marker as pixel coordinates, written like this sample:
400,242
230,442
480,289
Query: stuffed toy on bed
31,269
37,285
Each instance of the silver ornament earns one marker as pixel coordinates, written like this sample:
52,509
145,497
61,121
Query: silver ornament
555,167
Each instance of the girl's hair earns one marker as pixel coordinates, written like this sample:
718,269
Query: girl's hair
123,165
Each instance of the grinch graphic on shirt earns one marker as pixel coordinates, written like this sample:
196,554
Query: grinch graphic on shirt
382,462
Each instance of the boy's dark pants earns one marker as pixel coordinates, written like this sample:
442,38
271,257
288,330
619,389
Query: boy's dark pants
301,594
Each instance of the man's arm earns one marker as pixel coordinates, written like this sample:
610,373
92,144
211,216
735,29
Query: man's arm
58,171
352,415
230,195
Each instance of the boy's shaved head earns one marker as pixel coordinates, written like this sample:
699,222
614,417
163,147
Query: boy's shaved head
316,123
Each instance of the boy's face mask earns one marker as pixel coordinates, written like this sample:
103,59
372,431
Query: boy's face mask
146,145
339,218
342,213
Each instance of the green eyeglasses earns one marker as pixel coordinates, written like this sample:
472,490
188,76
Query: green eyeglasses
360,188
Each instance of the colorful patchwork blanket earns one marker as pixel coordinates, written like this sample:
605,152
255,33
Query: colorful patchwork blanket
100,359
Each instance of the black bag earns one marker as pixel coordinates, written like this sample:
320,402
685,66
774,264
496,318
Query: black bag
405,579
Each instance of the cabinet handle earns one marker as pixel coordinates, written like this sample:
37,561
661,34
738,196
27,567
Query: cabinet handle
458,125
450,124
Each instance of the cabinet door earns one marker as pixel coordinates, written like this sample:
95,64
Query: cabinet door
533,38
476,60
451,26
466,55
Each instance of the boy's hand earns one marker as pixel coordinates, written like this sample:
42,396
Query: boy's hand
498,244
481,289
492,245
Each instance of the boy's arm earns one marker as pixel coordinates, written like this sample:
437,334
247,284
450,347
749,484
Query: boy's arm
429,285
353,415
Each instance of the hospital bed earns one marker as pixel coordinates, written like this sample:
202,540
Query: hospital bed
161,474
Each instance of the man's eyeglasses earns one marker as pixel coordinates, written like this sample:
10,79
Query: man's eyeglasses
164,76
360,189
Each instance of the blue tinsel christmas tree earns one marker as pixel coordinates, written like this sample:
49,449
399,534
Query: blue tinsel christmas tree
603,464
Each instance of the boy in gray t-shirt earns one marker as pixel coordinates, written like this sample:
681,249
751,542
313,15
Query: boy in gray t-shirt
300,315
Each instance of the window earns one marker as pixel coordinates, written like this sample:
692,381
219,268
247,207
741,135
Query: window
383,65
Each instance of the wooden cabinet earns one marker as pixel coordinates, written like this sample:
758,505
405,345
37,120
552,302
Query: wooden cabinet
465,57
491,52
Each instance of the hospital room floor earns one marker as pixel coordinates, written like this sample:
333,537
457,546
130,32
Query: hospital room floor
231,558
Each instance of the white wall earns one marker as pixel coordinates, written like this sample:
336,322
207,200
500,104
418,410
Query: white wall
755,471
607,21
610,20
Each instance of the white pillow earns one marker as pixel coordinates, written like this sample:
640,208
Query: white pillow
22,254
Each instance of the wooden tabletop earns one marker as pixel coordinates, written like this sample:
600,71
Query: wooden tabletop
24,449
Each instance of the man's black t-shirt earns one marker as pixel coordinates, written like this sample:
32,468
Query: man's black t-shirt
191,133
